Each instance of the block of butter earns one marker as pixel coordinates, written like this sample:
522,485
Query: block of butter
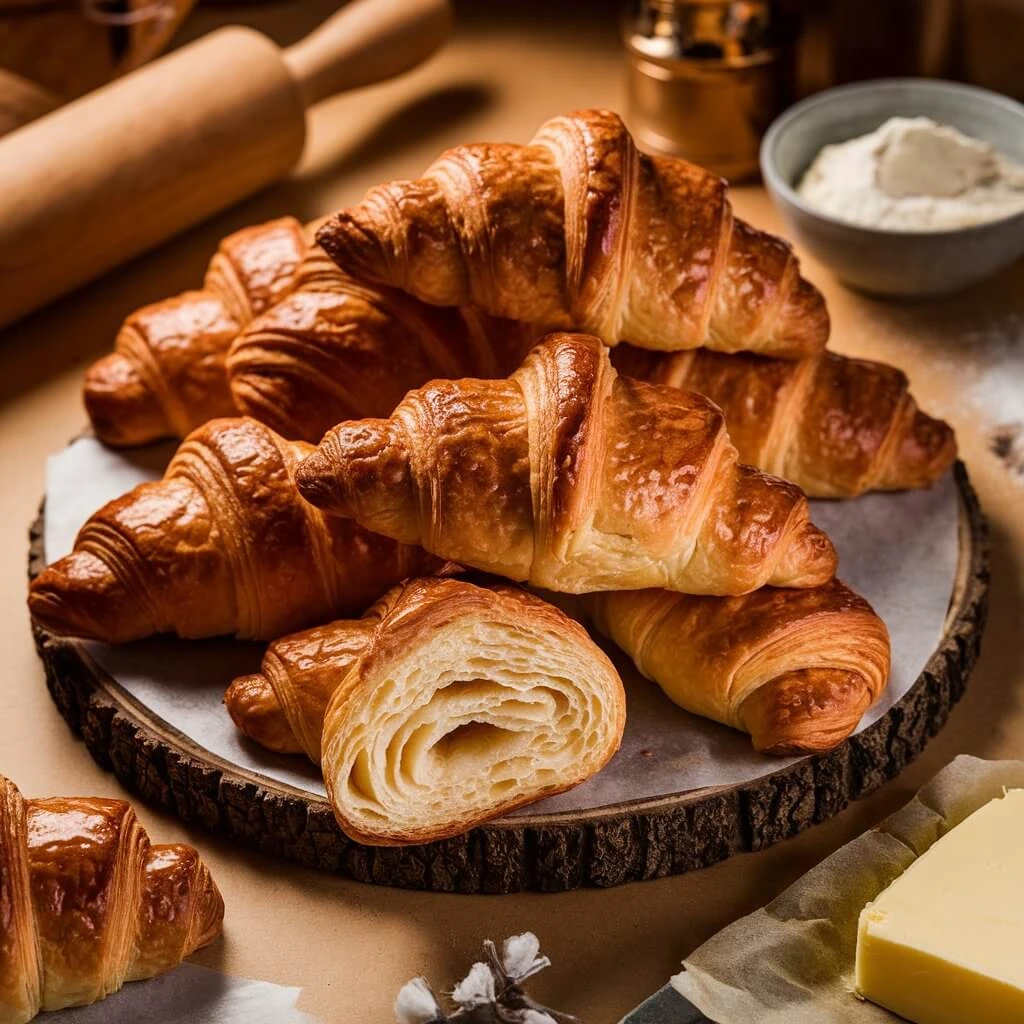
944,944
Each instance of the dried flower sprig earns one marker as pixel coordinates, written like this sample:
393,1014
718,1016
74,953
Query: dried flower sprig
491,993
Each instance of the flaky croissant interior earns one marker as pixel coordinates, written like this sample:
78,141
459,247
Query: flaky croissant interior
501,700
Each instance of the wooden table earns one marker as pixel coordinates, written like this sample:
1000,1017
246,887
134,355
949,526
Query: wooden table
351,946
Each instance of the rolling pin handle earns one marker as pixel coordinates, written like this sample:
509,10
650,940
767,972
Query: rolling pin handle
367,41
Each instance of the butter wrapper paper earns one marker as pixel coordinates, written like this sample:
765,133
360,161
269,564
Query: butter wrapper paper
792,961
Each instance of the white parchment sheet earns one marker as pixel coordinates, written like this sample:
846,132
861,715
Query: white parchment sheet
898,550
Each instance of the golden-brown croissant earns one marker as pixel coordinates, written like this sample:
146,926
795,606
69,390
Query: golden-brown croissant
336,349
794,668
450,704
86,903
222,544
580,231
166,374
573,478
835,426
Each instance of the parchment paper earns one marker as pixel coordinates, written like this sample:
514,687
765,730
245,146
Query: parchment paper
898,550
194,994
792,961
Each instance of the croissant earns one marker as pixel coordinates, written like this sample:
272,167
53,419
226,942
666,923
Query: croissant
578,230
835,426
572,478
222,544
86,903
449,704
794,668
166,375
336,349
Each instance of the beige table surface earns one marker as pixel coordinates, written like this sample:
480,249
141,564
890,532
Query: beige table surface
351,946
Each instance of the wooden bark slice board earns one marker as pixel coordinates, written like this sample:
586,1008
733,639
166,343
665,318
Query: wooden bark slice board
548,850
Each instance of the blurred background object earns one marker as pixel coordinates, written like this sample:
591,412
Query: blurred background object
976,41
707,77
183,138
54,52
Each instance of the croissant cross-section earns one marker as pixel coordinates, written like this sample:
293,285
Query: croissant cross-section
573,478
446,705
87,903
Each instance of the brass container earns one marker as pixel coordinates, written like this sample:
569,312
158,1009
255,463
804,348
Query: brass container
707,77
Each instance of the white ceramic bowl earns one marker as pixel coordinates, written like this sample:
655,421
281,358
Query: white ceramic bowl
891,262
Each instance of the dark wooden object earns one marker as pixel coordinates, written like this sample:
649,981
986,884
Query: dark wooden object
547,852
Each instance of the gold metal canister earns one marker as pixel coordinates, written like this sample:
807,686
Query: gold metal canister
707,77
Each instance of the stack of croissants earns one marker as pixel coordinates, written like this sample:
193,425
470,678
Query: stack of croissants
561,367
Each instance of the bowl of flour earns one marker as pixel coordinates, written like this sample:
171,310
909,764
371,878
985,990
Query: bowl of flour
907,187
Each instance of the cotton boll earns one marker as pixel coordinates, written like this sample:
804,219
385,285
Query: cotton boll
476,989
520,956
416,1004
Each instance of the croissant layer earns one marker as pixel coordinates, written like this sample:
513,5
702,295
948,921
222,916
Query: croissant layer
579,230
448,704
89,903
166,374
338,349
572,478
835,426
794,668
223,544
325,347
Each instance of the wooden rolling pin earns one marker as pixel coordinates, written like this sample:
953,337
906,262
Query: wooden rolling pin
112,174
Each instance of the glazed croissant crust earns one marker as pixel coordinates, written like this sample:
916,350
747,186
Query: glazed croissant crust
794,668
337,349
572,478
835,426
448,704
222,544
332,348
580,231
166,374
86,903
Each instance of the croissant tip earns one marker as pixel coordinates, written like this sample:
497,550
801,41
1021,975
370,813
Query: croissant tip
944,449
121,407
211,914
808,711
240,696
49,606
315,480
79,596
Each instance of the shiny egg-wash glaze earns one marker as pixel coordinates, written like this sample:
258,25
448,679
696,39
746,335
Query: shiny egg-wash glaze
835,426
88,903
223,544
794,668
166,374
580,231
337,348
334,348
572,478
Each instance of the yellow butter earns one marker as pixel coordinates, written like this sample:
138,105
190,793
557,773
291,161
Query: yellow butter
944,944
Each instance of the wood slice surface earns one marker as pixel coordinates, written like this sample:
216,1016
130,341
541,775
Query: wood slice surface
551,852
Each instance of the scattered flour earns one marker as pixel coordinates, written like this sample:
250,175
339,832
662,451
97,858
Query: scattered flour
992,383
913,174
